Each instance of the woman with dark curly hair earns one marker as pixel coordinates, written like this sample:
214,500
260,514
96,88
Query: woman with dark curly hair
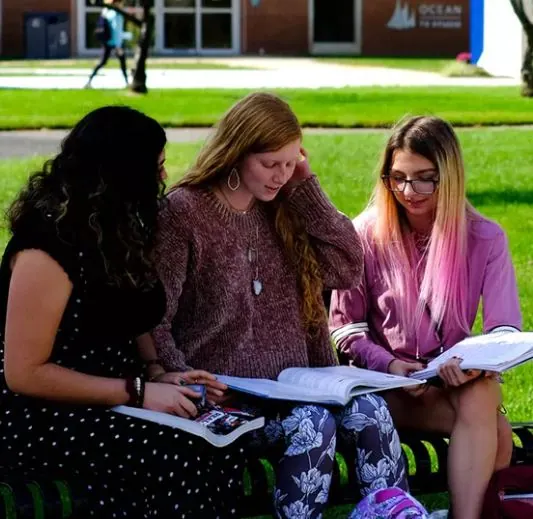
78,290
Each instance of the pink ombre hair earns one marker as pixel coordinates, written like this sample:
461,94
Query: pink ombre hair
441,287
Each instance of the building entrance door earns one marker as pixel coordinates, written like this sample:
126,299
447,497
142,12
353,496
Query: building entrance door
335,26
200,26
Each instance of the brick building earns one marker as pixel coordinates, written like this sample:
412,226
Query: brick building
275,27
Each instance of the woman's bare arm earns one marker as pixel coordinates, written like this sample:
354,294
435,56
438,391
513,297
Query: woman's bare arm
38,294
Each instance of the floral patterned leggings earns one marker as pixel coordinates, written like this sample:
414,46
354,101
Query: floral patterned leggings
308,435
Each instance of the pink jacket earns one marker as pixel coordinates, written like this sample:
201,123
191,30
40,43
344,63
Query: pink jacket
363,321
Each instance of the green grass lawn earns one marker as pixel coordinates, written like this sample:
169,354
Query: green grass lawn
499,184
349,107
419,64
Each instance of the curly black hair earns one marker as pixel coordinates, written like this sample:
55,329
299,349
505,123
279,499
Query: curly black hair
102,192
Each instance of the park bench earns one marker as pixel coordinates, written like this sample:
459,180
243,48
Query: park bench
426,453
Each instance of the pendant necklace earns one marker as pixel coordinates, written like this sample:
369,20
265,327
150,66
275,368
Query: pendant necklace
253,257
253,253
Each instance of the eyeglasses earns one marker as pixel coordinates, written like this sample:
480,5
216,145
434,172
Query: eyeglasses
398,184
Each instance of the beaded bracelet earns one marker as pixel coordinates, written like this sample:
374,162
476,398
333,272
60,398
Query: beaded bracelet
135,389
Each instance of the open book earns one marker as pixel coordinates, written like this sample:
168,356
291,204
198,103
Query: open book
496,352
219,426
335,385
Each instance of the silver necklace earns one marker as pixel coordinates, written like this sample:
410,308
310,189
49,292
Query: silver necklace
253,257
253,249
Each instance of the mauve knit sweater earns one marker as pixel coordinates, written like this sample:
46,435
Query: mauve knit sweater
214,321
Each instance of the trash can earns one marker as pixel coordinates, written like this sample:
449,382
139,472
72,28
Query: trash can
47,35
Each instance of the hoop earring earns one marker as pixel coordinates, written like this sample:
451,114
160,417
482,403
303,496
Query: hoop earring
235,182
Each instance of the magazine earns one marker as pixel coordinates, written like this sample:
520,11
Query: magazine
495,352
219,426
335,385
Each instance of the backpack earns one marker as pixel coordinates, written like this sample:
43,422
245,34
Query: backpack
499,502
389,503
102,30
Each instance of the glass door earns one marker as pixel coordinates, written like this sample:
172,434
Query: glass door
335,27
200,26
179,26
216,25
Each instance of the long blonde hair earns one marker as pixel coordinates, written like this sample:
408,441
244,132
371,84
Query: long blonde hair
259,123
443,285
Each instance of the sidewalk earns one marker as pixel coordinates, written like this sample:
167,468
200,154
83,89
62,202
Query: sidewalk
28,143
266,73
31,143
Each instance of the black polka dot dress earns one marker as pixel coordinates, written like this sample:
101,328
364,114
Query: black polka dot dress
131,468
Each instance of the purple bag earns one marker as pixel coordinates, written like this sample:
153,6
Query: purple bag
389,503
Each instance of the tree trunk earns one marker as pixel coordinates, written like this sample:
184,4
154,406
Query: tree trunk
527,64
527,69
138,83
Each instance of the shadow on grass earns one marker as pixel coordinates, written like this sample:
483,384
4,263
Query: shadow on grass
503,196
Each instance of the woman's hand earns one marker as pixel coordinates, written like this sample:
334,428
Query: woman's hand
215,389
454,376
404,369
170,398
302,170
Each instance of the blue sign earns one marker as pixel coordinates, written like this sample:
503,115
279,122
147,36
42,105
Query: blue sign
477,14
255,3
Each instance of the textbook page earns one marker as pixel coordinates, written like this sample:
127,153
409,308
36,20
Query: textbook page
345,381
265,388
491,352
316,380
335,385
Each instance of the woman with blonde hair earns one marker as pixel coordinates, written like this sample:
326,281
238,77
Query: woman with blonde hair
248,242
429,259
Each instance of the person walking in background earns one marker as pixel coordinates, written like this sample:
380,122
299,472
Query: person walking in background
110,32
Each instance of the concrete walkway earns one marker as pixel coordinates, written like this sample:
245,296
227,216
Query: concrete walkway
264,73
30,143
